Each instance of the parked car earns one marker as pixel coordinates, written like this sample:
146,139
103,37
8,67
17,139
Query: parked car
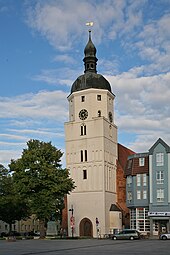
130,234
165,236
4,234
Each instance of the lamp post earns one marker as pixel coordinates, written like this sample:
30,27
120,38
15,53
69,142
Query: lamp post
72,220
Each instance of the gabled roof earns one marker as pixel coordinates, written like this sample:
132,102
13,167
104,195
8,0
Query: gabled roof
165,145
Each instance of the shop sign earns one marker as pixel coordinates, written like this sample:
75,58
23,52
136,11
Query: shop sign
158,214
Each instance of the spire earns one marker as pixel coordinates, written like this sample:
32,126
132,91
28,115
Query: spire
90,60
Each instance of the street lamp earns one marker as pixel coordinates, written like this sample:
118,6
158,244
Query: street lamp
72,220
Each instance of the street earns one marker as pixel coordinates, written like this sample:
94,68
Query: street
84,247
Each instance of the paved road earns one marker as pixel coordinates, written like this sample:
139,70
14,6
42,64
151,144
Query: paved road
85,247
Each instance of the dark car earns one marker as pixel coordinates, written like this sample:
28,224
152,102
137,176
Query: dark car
130,234
4,234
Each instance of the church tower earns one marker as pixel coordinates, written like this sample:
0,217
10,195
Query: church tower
91,151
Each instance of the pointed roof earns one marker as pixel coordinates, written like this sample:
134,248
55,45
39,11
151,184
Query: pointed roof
90,78
165,145
90,60
90,49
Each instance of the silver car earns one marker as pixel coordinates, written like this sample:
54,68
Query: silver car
165,236
127,234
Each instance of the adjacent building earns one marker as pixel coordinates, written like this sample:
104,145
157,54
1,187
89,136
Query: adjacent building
22,226
148,189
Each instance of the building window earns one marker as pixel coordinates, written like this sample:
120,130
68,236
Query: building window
84,174
155,225
82,98
129,196
144,194
141,161
159,159
129,180
81,156
138,177
139,219
140,213
83,129
144,179
85,155
99,113
159,177
129,163
160,195
138,194
99,97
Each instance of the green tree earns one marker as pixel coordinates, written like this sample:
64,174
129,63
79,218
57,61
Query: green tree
12,206
40,178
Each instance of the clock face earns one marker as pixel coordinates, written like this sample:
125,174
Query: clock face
110,117
83,114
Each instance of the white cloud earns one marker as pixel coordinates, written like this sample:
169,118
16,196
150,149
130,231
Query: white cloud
63,22
31,116
50,132
7,155
153,44
11,137
61,76
142,107
43,105
64,58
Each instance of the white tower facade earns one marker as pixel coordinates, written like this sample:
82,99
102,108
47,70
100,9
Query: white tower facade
91,151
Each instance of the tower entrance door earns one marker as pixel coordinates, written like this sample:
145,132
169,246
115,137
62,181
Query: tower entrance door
86,227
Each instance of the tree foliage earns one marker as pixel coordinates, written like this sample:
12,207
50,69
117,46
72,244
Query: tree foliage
12,206
39,177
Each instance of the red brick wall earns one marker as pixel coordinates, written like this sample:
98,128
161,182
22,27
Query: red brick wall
64,223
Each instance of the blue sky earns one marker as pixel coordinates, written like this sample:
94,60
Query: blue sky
41,50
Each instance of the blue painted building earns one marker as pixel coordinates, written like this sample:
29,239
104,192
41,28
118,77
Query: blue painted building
159,179
148,189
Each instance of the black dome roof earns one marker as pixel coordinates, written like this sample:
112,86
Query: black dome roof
90,80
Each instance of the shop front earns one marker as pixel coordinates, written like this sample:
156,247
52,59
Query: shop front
159,223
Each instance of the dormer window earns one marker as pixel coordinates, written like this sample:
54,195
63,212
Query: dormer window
141,161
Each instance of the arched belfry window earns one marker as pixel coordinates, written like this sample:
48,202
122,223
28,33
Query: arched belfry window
83,129
99,113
